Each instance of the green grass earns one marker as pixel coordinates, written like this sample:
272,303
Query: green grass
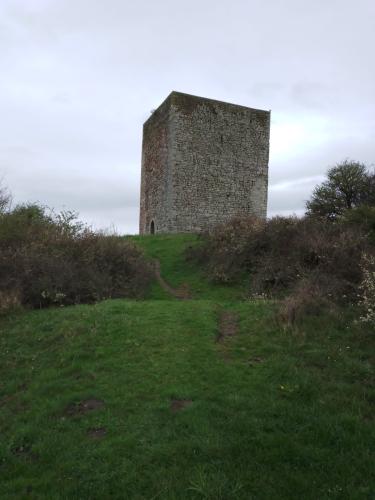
170,251
274,415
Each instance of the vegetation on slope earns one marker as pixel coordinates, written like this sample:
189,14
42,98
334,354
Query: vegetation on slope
48,259
171,252
323,260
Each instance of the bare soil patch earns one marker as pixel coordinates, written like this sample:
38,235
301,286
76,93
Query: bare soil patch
97,432
183,292
255,360
228,326
180,404
84,407
24,451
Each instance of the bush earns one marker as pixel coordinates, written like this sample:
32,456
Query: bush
306,298
367,289
364,217
48,259
284,254
224,251
9,300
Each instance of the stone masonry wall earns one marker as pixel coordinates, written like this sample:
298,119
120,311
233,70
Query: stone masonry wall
203,162
155,170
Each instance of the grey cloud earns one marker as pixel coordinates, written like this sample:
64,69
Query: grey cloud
79,77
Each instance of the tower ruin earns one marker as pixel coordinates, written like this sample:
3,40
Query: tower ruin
203,162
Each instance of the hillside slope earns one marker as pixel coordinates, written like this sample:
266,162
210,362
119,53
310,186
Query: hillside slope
174,399
169,251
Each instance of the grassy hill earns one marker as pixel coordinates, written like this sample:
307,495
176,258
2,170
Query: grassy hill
175,399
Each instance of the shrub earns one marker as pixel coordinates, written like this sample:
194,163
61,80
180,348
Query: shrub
363,216
367,289
224,250
308,297
9,300
284,254
51,259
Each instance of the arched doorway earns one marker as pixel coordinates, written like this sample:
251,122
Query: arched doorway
152,227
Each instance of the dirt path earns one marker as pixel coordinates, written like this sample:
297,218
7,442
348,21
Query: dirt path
228,325
182,292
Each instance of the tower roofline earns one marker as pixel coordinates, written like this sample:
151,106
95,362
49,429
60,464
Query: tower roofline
183,95
190,101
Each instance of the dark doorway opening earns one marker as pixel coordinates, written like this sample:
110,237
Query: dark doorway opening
152,227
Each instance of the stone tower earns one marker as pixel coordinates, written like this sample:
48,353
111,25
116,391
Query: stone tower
203,162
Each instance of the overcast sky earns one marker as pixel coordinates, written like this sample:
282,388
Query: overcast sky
79,77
